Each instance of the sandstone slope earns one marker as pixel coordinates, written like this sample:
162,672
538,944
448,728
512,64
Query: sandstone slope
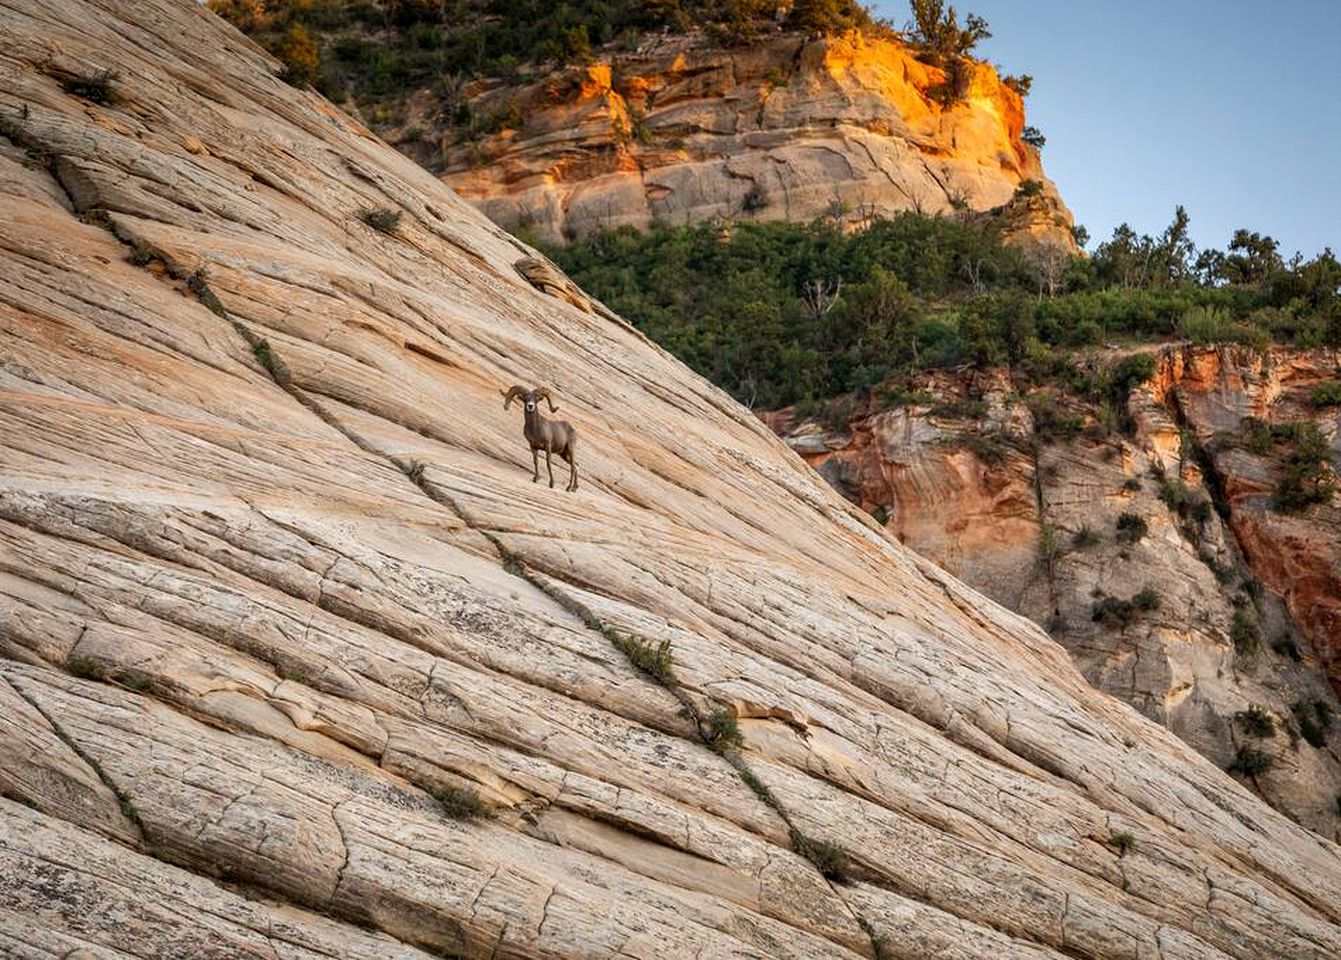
789,128
273,574
1247,614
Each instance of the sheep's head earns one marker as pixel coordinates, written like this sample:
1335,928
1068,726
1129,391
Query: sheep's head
530,398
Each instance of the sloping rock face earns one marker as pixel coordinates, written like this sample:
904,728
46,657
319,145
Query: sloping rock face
277,593
1247,595
786,129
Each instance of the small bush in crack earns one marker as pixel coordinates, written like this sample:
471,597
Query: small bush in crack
140,254
1124,842
1131,528
1245,634
86,668
1084,537
829,859
136,682
1250,762
1314,719
95,87
460,803
1256,722
414,469
1147,600
1285,646
759,788
722,730
1131,485
382,219
198,283
1113,613
266,358
653,659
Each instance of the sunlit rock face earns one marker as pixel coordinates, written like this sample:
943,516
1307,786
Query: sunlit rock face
789,128
1248,595
280,606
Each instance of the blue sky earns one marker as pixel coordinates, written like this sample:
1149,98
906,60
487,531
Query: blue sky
1230,108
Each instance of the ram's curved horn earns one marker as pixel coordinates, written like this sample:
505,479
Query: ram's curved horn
544,392
511,395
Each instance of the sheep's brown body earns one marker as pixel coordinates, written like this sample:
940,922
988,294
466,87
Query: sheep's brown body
552,436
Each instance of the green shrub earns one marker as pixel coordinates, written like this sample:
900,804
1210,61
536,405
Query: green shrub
1245,634
652,659
1306,480
86,668
460,803
1131,528
1250,762
830,859
758,787
1084,537
97,87
1256,721
1131,485
722,731
1033,137
1314,718
990,448
1147,600
1113,613
1285,646
1124,842
1326,394
382,219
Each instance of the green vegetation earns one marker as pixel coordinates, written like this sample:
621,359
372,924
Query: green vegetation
1256,721
1250,762
1147,600
830,859
460,803
1314,719
757,786
382,219
86,668
1245,634
1131,528
1124,842
377,52
1085,537
1307,478
653,659
1285,646
722,731
1326,394
95,87
1116,614
778,313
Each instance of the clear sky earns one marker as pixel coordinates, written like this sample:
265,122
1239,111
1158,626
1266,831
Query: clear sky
1230,108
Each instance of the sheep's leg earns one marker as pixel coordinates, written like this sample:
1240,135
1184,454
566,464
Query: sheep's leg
549,466
571,455
535,464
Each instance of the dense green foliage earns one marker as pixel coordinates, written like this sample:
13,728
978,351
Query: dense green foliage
779,313
368,50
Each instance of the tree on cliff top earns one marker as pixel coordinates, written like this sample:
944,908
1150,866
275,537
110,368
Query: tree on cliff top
937,30
829,16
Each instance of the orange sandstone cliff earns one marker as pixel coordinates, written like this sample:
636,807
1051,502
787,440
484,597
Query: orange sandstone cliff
1249,596
790,128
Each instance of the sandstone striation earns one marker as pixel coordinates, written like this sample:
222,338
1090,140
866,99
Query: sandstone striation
790,128
279,602
1247,594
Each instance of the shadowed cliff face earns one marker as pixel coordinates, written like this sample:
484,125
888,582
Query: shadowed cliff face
279,602
787,129
1247,594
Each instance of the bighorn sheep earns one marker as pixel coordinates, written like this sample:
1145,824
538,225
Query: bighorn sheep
552,436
